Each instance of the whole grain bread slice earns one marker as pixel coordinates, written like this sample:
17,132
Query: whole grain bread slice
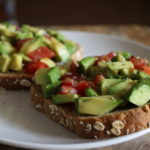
105,126
20,80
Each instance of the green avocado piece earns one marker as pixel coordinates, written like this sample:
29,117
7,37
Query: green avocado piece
107,83
61,98
16,62
86,63
49,89
24,35
4,63
54,74
120,65
139,95
127,55
6,47
90,92
122,88
70,45
31,45
60,50
41,76
143,75
98,105
48,62
25,57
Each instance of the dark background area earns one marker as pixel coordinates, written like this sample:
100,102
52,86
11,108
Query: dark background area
77,12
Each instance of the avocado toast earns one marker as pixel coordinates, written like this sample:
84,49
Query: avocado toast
25,49
101,97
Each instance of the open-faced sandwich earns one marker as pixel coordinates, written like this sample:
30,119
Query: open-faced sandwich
25,49
102,97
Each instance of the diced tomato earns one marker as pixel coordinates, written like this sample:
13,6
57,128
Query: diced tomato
32,67
41,52
20,43
81,86
146,69
73,68
138,62
107,57
99,78
67,90
69,82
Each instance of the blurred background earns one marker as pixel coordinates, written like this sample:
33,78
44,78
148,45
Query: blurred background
75,12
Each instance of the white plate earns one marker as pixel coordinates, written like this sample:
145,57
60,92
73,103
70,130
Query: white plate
22,126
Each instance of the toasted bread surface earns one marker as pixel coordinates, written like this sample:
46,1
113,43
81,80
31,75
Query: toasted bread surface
105,126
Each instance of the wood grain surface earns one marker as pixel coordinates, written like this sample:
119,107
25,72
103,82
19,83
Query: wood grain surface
133,32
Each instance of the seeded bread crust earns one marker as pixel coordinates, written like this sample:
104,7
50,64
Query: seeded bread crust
20,80
106,126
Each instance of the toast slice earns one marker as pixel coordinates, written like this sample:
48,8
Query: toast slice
22,80
113,124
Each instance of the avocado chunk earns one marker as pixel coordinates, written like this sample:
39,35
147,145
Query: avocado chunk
97,105
139,95
49,89
16,62
70,45
61,98
48,62
4,63
6,47
120,65
86,63
54,74
122,88
61,51
31,45
90,92
25,57
41,76
107,83
143,75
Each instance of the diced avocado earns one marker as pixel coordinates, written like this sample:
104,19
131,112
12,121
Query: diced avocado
120,58
97,105
54,74
107,83
28,28
70,45
16,62
61,98
90,92
6,47
120,65
41,76
122,87
48,62
25,57
127,55
140,94
103,64
61,51
143,75
86,63
4,63
63,71
94,70
31,45
49,89
24,35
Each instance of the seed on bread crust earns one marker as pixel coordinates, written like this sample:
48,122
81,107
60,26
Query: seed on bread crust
88,127
53,108
99,126
38,106
108,132
25,82
115,131
118,124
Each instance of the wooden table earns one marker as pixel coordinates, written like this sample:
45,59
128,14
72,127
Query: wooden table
134,32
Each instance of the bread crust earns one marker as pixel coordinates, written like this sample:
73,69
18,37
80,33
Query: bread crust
106,126
21,80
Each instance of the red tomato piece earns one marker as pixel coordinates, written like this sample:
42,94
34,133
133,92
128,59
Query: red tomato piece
34,66
67,90
138,62
20,43
81,86
41,52
146,69
99,78
69,82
